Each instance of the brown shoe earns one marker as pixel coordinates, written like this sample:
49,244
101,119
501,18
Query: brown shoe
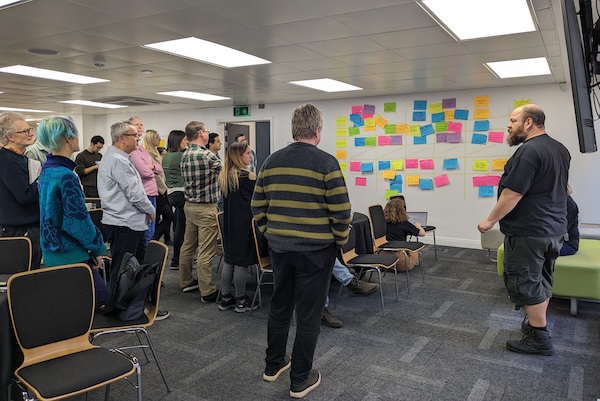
359,288
331,321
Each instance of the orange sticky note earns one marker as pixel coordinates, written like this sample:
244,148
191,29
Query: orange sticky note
412,180
389,174
448,115
481,101
481,113
401,128
498,164
380,121
341,154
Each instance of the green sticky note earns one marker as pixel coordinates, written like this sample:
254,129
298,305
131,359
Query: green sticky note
371,141
390,129
441,126
352,131
389,107
390,192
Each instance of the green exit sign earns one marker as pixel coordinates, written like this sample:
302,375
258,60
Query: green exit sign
241,111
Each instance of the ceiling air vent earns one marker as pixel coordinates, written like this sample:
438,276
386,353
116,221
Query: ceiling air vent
131,101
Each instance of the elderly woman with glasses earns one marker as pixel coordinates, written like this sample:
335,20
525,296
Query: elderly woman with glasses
19,199
68,234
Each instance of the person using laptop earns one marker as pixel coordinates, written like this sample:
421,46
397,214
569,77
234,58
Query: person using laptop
398,228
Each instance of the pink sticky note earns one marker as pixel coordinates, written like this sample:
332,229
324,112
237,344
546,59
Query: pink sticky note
441,180
411,163
355,166
426,164
453,126
497,137
383,140
367,115
485,180
356,109
360,181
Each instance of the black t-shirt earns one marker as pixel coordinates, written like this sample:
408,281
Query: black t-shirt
539,170
399,231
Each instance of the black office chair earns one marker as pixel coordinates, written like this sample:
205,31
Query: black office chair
15,256
51,310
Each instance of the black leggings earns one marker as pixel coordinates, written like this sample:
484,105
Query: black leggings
164,217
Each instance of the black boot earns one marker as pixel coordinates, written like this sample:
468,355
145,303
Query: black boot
535,341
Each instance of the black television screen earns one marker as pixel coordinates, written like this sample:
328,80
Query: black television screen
581,66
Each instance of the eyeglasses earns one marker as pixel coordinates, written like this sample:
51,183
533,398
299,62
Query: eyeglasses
130,135
26,131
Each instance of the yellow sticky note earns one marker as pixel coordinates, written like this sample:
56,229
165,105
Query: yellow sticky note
381,122
389,174
498,164
341,132
435,108
402,128
415,130
340,143
341,121
370,122
481,101
412,180
521,102
448,115
481,113
343,166
480,165
341,154
398,165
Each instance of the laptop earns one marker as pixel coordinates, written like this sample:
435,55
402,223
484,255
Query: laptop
419,217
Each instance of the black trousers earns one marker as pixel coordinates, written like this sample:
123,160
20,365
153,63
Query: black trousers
177,200
301,281
164,218
122,240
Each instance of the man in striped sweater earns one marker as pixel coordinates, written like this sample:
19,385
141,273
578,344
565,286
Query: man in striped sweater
301,205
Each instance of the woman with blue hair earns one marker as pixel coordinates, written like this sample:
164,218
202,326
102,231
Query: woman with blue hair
67,233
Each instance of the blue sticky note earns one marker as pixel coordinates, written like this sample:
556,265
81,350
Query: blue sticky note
420,105
366,167
437,117
450,164
486,191
397,180
426,129
384,165
419,140
460,114
397,187
482,125
357,120
419,116
479,139
359,142
425,183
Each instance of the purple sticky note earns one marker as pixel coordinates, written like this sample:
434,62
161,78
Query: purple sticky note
449,103
369,109
396,140
454,137
440,138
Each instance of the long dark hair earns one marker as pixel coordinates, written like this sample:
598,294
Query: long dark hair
175,138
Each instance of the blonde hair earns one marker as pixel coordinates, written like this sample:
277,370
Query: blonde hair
147,143
232,167
395,211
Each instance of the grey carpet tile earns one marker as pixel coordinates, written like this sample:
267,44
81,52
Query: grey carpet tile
445,340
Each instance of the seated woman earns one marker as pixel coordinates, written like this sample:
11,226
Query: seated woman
67,234
398,228
571,245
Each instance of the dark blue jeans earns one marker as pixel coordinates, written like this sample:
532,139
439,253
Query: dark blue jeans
122,240
302,281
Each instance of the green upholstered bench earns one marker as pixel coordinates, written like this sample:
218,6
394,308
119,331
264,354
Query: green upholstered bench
576,276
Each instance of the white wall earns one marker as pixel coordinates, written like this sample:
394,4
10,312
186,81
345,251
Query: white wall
455,209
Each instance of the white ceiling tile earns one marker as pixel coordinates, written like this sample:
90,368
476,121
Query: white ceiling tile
333,7
343,47
366,58
311,30
432,51
133,8
412,37
506,42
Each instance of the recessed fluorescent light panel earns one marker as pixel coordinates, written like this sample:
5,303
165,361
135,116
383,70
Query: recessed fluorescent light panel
473,19
327,85
93,104
194,95
24,110
520,68
51,74
207,52
10,3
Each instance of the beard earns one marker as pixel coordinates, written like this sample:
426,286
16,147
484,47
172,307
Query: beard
515,139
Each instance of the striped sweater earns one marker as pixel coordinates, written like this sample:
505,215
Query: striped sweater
301,201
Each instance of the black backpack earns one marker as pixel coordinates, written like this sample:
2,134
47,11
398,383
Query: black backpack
133,287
